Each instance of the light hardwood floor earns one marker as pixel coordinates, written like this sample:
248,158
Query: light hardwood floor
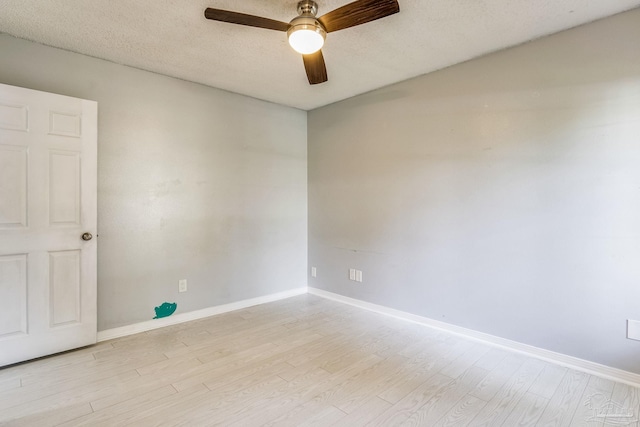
302,361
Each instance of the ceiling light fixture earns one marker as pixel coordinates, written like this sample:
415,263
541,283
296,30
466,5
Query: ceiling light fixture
306,35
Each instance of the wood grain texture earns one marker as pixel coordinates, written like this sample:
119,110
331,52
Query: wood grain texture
585,413
301,361
357,13
565,400
527,411
244,19
315,67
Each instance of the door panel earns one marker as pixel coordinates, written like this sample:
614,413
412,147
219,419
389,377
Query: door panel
13,294
48,146
65,124
64,285
64,188
13,117
13,186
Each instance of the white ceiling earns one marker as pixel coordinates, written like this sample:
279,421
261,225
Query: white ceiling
172,37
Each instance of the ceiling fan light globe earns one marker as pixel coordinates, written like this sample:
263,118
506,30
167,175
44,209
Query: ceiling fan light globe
306,35
306,41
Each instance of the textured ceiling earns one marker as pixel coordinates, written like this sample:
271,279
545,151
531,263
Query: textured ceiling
172,37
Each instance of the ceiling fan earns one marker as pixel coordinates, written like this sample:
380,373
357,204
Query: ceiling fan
306,33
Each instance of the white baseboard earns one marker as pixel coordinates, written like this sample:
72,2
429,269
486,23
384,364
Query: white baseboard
539,353
194,315
582,365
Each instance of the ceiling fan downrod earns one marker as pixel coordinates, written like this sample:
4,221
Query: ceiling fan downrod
307,8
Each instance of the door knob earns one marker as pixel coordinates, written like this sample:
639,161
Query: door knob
87,236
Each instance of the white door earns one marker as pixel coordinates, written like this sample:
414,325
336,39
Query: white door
48,156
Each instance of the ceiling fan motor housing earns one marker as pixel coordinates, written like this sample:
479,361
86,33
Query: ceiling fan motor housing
306,20
306,23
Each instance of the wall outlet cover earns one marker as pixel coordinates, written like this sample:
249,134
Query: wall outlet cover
182,285
633,329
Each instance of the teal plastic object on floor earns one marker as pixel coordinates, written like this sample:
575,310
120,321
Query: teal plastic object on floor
166,309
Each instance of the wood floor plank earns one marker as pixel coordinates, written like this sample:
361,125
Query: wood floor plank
239,380
393,344
235,336
304,361
418,370
321,351
497,378
406,407
134,416
358,389
250,401
22,406
164,365
565,400
210,371
258,362
340,392
10,384
322,417
221,405
501,405
595,396
460,365
623,408
339,362
306,352
527,411
492,359
23,371
52,417
548,381
143,384
110,414
365,413
67,378
309,414
294,394
462,412
447,398
280,400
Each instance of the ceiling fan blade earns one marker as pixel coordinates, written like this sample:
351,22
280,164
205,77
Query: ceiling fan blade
314,65
358,12
244,19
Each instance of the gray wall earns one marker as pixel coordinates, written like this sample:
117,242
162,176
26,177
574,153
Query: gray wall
501,195
193,183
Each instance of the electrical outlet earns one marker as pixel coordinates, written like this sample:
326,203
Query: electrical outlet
633,329
314,272
182,285
355,275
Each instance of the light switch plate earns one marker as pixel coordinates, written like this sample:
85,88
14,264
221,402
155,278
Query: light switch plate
314,272
352,274
358,275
